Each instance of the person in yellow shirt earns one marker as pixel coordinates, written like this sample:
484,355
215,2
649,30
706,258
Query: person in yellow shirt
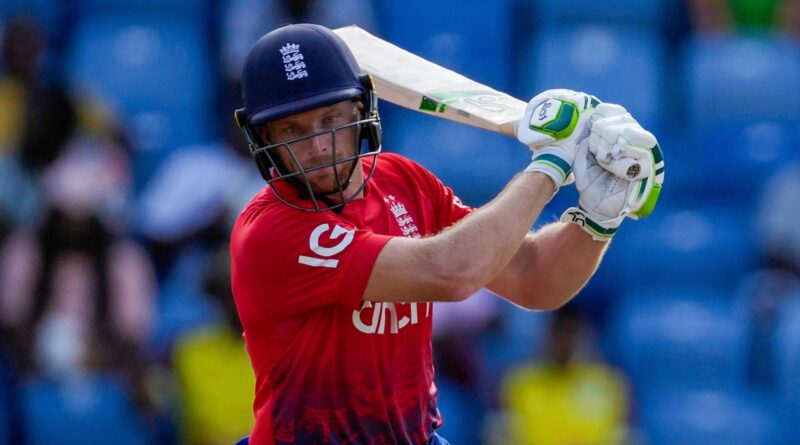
213,370
565,398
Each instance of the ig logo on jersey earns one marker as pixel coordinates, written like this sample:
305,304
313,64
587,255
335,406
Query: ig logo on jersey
324,253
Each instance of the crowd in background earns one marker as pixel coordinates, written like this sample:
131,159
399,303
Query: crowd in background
121,173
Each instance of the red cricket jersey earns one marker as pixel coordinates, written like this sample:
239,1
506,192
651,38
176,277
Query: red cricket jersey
331,368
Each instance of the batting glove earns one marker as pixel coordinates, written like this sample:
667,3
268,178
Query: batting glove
554,125
619,173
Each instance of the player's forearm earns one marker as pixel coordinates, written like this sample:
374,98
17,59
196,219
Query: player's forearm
531,281
481,245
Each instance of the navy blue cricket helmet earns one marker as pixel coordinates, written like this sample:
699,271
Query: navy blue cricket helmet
296,68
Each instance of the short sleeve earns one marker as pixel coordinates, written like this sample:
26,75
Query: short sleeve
447,207
451,209
287,268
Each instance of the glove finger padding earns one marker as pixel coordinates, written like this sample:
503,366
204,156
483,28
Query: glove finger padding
610,194
606,198
636,164
603,195
607,109
606,133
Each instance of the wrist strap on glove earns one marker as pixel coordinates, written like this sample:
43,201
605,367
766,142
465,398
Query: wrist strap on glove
600,230
552,163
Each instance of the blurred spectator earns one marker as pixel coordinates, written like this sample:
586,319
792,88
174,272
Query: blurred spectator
456,330
764,292
762,295
776,222
77,292
19,195
189,199
50,122
215,378
566,397
36,114
183,213
745,15
22,48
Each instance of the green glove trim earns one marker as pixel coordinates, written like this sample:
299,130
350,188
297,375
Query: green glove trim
556,163
650,204
658,155
563,124
578,216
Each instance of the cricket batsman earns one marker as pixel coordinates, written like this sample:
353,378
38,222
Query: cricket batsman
336,263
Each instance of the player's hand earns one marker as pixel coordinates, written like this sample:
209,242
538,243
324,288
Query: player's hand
607,198
621,146
555,124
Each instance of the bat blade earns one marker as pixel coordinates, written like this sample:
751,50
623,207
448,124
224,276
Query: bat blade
408,80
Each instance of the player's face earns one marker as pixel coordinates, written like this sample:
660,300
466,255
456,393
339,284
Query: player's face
317,151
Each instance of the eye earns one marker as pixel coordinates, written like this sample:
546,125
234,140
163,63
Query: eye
330,119
289,130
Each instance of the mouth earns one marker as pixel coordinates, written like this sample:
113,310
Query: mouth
323,178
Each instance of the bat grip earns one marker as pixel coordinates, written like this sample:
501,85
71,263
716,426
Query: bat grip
625,168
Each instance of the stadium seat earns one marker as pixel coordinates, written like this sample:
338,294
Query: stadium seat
153,71
621,65
459,411
673,339
183,305
519,337
7,396
191,9
94,410
181,312
476,163
760,296
786,350
684,245
742,154
141,63
712,417
10,8
49,13
471,37
740,77
647,14
242,22
736,108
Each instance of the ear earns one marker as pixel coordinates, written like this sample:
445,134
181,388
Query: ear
262,132
264,165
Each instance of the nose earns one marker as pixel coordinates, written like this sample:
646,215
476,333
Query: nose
320,143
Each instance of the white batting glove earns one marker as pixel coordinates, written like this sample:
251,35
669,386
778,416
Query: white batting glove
619,173
555,123
624,148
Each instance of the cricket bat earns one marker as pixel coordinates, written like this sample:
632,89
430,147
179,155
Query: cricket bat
405,79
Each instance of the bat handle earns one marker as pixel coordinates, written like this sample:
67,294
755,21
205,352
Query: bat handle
625,168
